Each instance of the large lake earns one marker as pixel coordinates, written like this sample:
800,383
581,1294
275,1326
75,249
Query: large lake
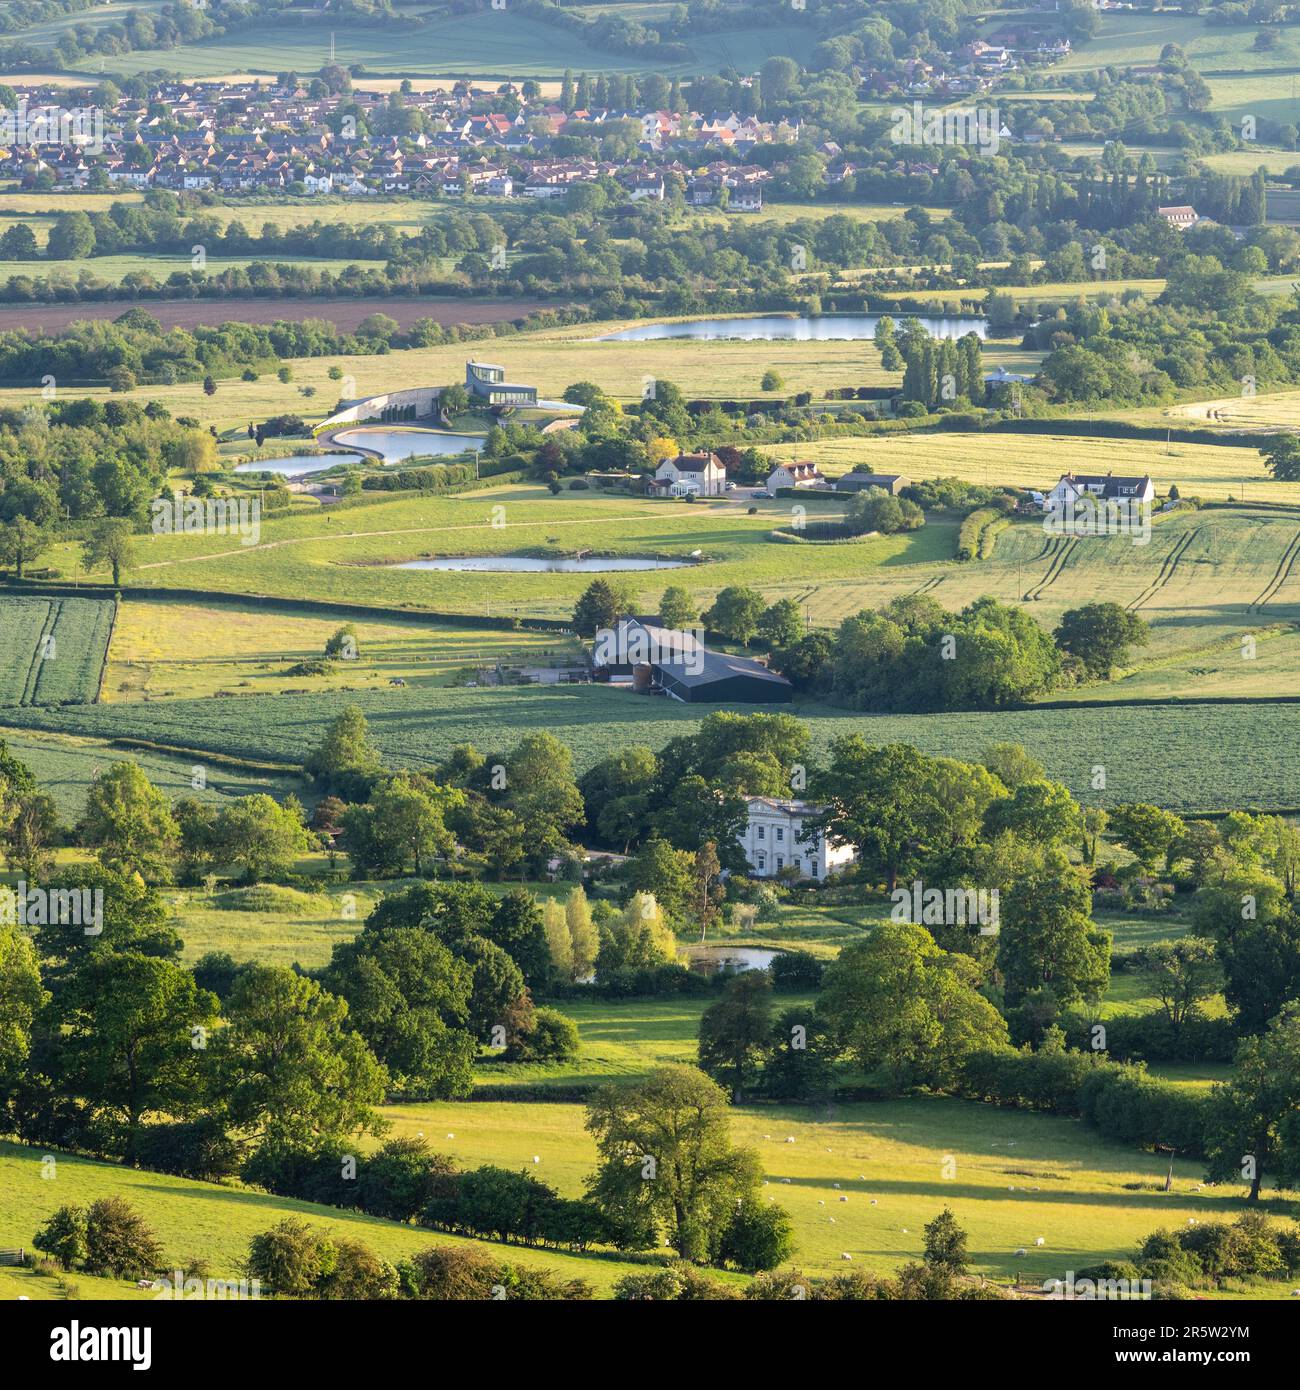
770,327
596,564
298,463
405,444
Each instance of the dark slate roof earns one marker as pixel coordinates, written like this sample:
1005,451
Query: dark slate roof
718,666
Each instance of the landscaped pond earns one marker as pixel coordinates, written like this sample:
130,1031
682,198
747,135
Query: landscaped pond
404,444
770,327
494,564
298,463
708,960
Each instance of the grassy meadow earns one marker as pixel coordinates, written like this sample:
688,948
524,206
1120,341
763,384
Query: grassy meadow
864,1179
215,1223
165,650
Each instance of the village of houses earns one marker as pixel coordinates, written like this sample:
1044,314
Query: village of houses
253,136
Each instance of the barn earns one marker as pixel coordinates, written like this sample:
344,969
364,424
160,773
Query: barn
718,678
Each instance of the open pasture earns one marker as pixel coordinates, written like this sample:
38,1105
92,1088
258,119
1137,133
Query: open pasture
208,1221
1017,1177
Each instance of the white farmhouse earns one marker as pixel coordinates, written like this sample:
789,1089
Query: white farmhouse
1107,487
771,843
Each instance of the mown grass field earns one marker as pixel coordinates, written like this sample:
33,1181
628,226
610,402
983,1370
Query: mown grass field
1200,757
160,264
480,45
168,650
52,650
65,765
1018,1177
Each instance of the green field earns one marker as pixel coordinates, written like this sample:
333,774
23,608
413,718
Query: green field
1199,757
485,44
53,649
65,766
1018,1177
165,650
215,1223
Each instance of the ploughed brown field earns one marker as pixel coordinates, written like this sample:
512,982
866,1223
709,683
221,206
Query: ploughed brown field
344,314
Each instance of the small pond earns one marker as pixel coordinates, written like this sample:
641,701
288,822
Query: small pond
708,960
500,564
770,327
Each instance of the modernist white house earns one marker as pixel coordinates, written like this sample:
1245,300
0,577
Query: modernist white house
701,474
1107,487
771,840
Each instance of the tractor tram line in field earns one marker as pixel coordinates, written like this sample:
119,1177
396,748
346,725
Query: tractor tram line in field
1280,576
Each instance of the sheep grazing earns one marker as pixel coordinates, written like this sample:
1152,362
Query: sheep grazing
846,1257
1022,1251
835,1185
820,1203
873,1201
844,1199
1040,1241
537,1158
790,1139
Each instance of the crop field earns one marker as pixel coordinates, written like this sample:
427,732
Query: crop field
1213,756
163,650
65,765
1213,472
196,1220
487,44
1017,1177
52,649
1268,412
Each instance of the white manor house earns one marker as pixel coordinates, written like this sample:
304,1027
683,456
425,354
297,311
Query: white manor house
771,840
